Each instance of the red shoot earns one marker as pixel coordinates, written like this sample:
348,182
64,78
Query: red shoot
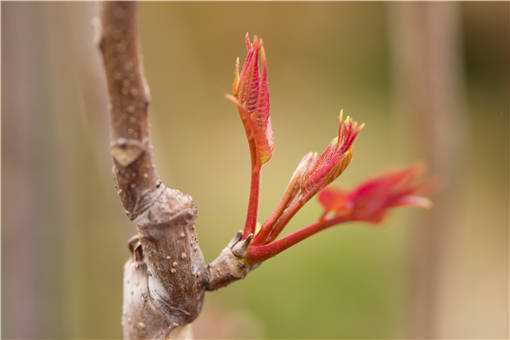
335,158
250,93
320,171
293,189
369,202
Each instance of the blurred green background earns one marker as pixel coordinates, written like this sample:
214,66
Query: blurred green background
431,81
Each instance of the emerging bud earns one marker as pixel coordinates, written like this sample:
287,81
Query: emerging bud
312,174
368,202
335,158
305,165
371,200
250,93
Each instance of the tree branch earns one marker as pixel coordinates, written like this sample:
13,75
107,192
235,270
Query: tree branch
428,82
164,281
129,100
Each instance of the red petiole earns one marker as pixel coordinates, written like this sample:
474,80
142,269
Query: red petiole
259,253
269,223
253,201
287,216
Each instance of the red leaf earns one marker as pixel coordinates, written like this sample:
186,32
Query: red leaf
250,93
372,199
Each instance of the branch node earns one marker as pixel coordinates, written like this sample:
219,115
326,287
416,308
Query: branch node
135,247
158,296
126,151
230,265
240,248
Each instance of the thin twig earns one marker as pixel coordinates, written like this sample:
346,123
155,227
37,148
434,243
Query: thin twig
129,99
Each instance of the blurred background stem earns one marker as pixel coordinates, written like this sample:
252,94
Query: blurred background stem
426,50
27,183
428,54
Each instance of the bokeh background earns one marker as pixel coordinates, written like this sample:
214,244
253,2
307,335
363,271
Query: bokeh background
431,81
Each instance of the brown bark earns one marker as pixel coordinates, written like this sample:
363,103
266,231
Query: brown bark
165,281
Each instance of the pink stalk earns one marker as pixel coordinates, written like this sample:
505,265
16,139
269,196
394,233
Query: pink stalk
259,253
293,189
253,201
268,224
287,216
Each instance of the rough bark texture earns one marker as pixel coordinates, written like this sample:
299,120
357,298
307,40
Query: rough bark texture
230,265
165,280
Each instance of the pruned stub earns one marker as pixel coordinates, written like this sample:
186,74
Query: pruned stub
164,281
